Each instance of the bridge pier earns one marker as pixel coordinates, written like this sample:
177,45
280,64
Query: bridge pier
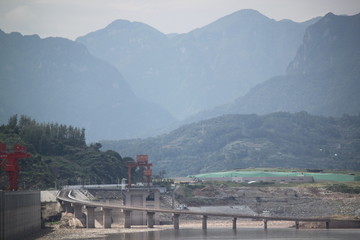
150,219
204,222
68,208
73,207
90,217
77,210
265,223
234,223
62,206
107,217
176,220
127,222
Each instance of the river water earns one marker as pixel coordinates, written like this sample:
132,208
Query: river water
243,233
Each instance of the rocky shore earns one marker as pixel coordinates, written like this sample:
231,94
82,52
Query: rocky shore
277,201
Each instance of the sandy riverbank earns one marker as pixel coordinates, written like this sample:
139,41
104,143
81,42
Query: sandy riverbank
57,233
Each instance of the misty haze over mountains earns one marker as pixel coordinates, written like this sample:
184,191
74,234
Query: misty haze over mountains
322,79
203,68
57,80
130,80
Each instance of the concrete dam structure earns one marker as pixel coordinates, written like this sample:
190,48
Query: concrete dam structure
20,214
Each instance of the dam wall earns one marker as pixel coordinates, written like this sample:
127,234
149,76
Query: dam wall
20,214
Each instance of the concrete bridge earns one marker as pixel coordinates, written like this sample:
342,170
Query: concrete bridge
75,206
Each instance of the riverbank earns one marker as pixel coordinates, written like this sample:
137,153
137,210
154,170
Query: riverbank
56,232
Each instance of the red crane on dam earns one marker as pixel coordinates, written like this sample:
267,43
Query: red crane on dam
141,161
9,161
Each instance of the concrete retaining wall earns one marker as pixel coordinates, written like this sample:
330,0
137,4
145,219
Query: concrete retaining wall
20,214
344,224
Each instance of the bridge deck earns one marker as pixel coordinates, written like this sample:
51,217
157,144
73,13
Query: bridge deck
65,196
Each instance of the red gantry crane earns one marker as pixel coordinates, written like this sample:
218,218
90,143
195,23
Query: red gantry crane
141,161
9,161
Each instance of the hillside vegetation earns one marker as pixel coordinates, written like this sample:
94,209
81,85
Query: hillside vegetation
60,155
229,142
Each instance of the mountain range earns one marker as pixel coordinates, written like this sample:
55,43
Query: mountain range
322,79
58,80
129,80
201,69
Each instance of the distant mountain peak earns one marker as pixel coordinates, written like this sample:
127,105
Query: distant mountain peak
245,15
328,43
119,23
121,27
248,12
329,15
18,34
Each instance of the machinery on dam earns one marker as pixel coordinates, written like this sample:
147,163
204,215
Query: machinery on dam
141,161
20,211
9,161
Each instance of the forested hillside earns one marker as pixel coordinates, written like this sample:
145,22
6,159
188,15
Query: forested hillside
229,142
59,155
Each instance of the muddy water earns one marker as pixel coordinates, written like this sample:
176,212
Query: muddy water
225,234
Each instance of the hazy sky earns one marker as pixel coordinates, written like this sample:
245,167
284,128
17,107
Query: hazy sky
73,18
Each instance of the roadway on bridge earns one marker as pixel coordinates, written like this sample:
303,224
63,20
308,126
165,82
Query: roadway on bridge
65,195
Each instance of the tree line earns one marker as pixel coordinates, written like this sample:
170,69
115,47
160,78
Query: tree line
45,138
59,156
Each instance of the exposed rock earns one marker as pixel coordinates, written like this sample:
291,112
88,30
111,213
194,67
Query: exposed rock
279,201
